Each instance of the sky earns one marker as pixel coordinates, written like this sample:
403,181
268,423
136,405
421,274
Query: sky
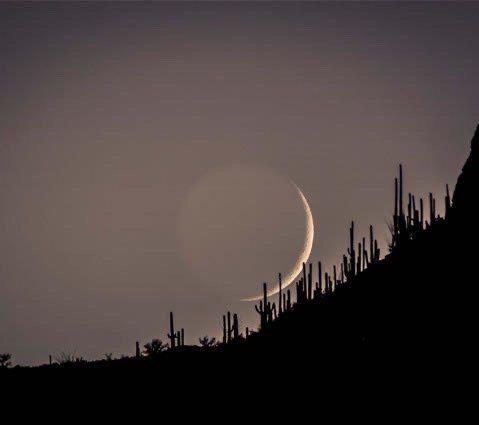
147,152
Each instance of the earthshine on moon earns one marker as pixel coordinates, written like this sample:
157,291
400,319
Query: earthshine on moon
305,252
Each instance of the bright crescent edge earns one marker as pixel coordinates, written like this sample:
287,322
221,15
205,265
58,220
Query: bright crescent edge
305,252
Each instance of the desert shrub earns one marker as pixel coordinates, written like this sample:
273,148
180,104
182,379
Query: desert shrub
207,342
5,360
154,347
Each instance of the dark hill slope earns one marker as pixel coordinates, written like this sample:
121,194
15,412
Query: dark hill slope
416,306
419,301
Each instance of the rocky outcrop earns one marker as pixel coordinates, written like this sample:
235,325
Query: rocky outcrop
465,198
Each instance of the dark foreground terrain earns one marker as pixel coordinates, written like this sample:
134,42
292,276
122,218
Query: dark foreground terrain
413,309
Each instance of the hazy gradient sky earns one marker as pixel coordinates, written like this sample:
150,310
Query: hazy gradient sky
125,127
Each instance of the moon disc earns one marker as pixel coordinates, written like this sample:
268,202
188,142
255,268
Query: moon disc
239,226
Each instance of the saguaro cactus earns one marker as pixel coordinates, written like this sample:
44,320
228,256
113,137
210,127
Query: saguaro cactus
431,209
421,213
401,211
229,327
264,308
345,268
280,294
415,214
320,277
305,279
310,281
352,252
262,314
235,327
359,258
269,312
409,210
395,217
224,329
371,242
172,334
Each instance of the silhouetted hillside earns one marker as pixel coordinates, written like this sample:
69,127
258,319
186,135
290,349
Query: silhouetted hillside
414,306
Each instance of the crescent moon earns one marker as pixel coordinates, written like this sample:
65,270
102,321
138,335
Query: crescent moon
305,251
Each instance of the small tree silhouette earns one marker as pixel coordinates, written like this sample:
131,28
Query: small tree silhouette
65,358
5,360
206,342
154,347
108,356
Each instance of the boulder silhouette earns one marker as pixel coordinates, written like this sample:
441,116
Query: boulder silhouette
464,201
